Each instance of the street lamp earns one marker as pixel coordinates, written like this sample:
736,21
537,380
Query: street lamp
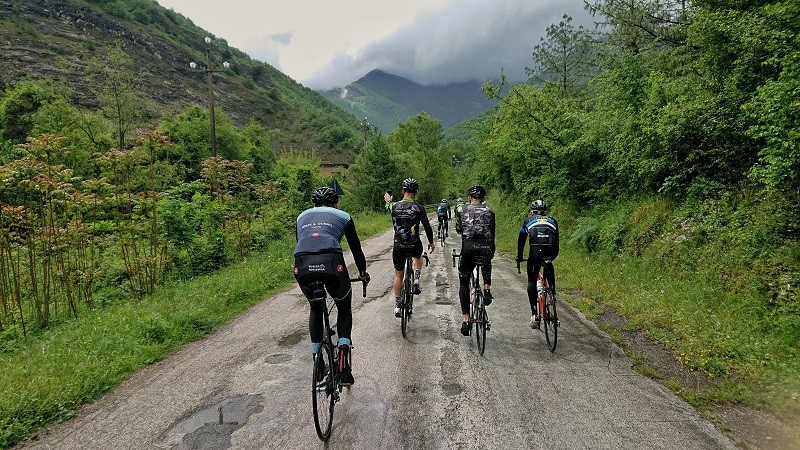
365,127
209,73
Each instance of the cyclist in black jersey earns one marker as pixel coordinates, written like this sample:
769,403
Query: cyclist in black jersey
476,224
407,215
444,214
318,257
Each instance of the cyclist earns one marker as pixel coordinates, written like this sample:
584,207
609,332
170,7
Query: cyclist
543,233
318,257
444,215
459,205
407,215
476,224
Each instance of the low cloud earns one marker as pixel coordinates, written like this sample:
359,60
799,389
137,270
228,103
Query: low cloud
470,40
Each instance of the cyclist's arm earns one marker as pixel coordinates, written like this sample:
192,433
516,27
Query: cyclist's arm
355,246
523,236
427,226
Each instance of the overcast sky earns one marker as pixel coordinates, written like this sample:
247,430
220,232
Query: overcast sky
330,43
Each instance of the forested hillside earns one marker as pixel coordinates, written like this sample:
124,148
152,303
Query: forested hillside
61,40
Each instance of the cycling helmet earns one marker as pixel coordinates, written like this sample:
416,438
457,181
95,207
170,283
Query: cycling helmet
324,196
410,185
538,206
477,191
459,201
444,200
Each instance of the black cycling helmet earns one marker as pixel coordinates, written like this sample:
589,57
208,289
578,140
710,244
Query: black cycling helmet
410,185
477,191
538,206
324,196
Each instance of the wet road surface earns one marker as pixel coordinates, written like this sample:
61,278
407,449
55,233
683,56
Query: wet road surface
247,386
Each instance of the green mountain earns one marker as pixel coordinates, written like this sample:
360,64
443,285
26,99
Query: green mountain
387,99
55,39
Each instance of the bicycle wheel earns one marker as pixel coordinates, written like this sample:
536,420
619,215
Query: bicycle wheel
322,392
405,301
550,319
479,319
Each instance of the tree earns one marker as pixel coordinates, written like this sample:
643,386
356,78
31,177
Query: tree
373,173
565,57
417,147
114,80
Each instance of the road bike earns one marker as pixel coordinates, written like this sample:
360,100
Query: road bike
325,380
477,309
546,306
407,292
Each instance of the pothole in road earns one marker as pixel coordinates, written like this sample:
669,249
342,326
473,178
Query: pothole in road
451,389
292,339
211,428
278,358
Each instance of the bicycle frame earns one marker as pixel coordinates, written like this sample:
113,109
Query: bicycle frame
546,306
478,315
406,292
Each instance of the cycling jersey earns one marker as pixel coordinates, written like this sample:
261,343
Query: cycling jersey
320,230
443,211
406,217
542,231
476,222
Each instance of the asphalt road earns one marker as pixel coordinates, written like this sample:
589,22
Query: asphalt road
430,390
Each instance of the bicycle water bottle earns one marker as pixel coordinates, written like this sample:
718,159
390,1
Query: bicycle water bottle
539,287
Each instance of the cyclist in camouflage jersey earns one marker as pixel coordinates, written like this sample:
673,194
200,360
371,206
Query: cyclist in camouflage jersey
476,223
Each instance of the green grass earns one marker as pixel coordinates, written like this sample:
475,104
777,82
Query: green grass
49,376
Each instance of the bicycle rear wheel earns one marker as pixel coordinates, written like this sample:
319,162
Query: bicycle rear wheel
322,392
479,318
550,319
407,297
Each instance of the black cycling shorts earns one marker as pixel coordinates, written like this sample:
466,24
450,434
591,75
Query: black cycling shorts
400,252
329,268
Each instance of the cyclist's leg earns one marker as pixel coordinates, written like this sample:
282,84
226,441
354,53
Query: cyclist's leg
550,272
341,290
316,307
534,265
417,263
399,262
465,266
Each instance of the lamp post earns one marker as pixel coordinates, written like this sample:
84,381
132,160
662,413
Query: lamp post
209,79
365,127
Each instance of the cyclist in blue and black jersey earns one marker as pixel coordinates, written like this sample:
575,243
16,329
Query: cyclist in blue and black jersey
475,222
407,215
318,257
543,233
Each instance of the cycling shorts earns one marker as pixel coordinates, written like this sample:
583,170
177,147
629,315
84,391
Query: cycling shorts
400,252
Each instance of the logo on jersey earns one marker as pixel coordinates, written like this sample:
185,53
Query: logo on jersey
316,268
339,268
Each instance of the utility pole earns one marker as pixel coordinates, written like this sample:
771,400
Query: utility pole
365,127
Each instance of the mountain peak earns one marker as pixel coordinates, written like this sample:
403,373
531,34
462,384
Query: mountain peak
387,99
